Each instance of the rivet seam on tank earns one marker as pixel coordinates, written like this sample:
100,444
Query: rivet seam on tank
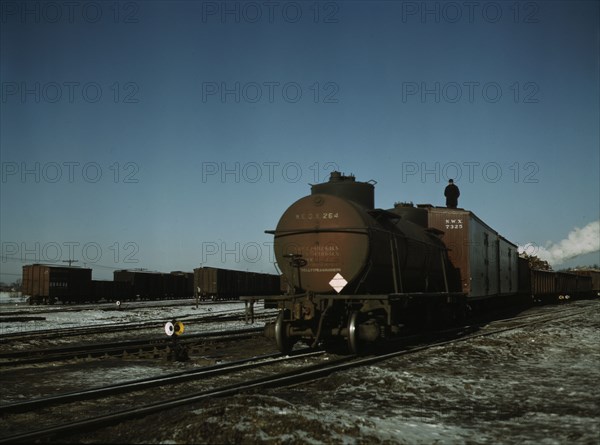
318,200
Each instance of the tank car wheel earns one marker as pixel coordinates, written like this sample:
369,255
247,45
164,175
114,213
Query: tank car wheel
353,333
284,343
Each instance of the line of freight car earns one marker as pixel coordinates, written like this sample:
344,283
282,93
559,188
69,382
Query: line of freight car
144,285
48,284
211,283
544,286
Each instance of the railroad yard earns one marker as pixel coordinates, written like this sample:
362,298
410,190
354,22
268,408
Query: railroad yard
528,378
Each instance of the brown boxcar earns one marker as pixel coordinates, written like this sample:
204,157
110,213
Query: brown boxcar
215,283
486,261
47,283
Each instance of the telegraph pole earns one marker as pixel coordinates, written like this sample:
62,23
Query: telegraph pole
70,261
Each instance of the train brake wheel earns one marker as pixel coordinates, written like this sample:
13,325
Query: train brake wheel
284,343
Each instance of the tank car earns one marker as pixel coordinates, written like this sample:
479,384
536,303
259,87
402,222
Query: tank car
356,273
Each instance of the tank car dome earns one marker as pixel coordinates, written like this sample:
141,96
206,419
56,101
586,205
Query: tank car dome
347,187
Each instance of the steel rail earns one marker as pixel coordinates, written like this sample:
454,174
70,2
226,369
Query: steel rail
107,328
304,374
152,382
116,348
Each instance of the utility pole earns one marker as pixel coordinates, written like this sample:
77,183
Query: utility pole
70,261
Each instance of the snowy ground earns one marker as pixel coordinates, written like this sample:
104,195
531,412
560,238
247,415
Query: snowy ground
535,385
68,316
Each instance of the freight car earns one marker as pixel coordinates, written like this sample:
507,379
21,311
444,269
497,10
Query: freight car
110,290
225,284
183,284
594,277
48,284
358,274
546,286
147,285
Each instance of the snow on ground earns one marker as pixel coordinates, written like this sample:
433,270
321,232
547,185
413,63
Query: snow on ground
75,375
12,298
69,316
534,385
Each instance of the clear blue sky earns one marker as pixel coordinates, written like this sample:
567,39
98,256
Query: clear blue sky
166,135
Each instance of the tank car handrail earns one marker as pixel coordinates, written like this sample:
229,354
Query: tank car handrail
359,230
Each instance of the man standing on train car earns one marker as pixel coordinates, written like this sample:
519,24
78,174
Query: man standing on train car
451,193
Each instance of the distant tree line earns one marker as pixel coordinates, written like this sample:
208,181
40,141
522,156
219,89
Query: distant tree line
539,264
535,262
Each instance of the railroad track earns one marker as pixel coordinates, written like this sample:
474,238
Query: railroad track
286,378
110,305
151,382
206,374
120,327
151,346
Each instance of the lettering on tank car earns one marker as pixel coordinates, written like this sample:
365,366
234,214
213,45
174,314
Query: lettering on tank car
453,224
317,215
324,250
321,254
321,269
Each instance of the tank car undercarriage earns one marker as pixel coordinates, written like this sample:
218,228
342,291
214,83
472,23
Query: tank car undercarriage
354,321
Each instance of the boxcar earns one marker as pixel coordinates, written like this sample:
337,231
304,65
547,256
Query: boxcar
486,262
48,284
